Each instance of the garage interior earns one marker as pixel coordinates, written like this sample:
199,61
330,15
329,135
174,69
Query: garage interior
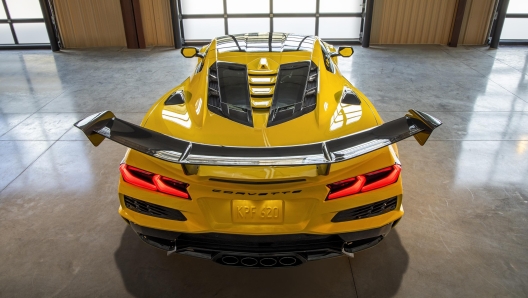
465,230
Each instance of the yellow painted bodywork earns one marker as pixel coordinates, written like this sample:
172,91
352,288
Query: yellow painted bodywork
306,211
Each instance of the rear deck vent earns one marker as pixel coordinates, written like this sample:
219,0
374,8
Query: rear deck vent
295,93
228,92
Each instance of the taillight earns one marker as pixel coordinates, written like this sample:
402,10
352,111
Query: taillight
137,177
151,181
382,178
171,186
364,183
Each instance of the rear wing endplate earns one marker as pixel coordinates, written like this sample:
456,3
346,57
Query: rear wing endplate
103,125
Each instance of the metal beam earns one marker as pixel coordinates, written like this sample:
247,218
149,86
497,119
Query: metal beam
226,29
27,46
46,12
8,15
15,21
342,42
265,15
517,15
175,16
501,16
271,16
365,41
317,4
457,26
517,42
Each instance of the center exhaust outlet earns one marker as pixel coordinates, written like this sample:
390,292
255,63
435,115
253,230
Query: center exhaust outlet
287,261
230,260
249,262
268,262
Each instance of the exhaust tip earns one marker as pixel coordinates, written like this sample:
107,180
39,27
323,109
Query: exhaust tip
230,260
287,261
249,262
268,262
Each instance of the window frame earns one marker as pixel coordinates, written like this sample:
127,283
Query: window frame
16,44
271,15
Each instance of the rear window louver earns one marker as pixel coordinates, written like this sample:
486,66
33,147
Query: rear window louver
228,92
295,92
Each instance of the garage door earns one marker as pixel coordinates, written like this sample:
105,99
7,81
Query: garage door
330,19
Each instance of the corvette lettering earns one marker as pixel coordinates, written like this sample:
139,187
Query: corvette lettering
256,193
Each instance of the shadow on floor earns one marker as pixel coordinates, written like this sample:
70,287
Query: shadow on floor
148,272
378,272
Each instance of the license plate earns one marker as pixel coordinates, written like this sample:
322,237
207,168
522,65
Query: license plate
246,211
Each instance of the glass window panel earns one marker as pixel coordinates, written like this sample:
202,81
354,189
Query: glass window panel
517,6
31,33
2,12
5,34
245,6
202,7
24,9
294,6
301,26
203,28
341,6
515,29
248,25
333,27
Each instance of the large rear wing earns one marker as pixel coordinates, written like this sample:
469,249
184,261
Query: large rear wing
103,125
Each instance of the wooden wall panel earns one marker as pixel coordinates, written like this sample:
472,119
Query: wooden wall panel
477,20
90,23
412,21
157,23
377,14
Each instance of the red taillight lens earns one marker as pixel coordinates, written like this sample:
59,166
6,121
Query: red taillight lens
137,177
382,178
151,181
364,183
171,186
346,187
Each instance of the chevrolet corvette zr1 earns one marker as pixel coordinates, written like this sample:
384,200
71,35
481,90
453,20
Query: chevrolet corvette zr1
266,156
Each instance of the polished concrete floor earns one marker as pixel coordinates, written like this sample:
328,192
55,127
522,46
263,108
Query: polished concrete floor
465,232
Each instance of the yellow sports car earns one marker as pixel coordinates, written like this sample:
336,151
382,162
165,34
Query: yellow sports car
266,156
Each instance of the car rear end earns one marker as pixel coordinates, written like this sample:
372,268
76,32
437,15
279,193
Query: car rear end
262,216
264,157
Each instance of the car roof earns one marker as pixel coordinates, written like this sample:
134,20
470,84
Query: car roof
265,42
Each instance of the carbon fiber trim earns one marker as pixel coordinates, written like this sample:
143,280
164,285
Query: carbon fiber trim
106,125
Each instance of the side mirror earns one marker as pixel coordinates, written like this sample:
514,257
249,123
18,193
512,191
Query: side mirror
344,52
190,52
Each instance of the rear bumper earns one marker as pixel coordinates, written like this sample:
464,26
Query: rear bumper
262,251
